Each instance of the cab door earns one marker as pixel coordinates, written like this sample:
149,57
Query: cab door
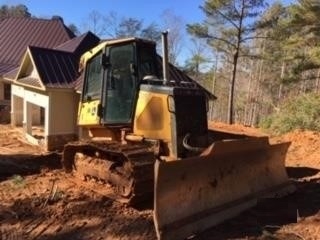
121,85
91,94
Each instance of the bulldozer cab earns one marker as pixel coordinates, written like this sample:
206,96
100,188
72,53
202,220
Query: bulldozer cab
112,80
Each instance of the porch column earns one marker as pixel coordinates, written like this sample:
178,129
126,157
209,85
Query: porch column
27,117
13,111
47,129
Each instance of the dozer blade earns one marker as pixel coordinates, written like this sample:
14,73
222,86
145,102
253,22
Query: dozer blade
196,193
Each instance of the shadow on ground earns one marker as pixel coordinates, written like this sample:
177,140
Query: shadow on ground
301,172
262,221
76,218
26,164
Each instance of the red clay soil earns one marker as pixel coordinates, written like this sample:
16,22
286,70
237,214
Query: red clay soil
236,128
41,202
304,149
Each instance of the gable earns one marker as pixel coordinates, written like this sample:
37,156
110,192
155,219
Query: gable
53,67
56,69
28,74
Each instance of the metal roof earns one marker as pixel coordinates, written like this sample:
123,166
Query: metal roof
80,44
179,78
7,67
11,75
56,68
18,33
78,84
30,81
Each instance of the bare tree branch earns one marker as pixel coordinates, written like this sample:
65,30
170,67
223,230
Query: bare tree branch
255,37
223,40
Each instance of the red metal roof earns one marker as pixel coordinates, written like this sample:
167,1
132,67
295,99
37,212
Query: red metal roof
11,75
80,44
56,68
18,33
7,67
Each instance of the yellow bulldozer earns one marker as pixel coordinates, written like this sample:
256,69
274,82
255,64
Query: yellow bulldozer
147,136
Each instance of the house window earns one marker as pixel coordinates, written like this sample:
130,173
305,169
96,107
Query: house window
7,91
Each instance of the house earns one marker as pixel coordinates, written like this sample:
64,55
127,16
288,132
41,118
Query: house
43,96
18,33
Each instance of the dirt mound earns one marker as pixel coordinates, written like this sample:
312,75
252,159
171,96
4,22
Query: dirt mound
12,141
303,167
304,149
237,128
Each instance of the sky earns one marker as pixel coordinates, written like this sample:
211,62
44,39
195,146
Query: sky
77,11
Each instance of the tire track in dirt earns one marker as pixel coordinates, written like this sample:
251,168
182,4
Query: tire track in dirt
75,212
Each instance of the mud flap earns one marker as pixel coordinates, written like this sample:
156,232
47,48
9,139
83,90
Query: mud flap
197,193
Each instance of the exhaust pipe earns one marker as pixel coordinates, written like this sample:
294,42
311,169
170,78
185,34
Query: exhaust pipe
165,59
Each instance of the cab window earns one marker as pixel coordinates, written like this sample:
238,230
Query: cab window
93,83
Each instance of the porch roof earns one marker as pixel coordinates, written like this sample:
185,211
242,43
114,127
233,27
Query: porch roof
56,67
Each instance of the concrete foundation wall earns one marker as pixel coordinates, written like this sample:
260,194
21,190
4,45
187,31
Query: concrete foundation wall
56,142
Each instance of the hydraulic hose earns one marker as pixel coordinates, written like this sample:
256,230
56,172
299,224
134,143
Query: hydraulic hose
187,146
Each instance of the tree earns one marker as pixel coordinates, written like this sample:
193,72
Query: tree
197,60
303,44
129,27
132,27
19,10
58,18
95,23
267,69
114,26
74,29
229,26
175,25
151,32
112,21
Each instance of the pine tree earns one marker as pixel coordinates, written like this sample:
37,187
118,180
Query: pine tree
228,28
